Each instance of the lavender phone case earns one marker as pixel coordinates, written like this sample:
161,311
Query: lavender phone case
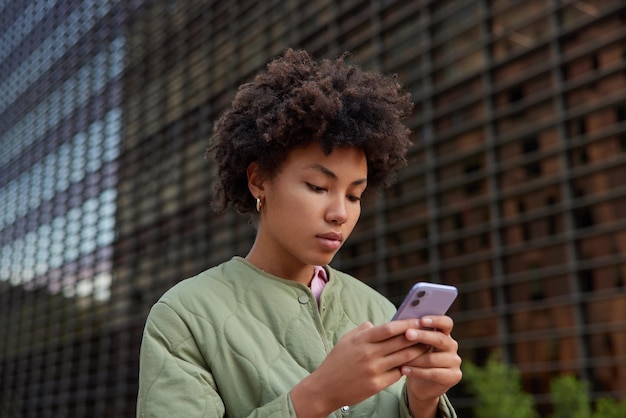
426,299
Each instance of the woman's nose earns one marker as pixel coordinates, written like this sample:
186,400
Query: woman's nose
337,211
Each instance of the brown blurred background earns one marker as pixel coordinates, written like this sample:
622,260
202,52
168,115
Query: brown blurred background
515,191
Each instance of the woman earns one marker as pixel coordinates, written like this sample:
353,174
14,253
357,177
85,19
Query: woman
280,333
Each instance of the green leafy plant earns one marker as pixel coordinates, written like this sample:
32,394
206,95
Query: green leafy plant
609,408
570,397
498,390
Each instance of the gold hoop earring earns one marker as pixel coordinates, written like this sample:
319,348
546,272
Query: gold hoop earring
259,204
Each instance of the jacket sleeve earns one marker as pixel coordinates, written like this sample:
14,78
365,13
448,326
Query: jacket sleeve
446,410
174,379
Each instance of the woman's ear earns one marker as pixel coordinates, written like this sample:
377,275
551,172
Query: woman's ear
256,180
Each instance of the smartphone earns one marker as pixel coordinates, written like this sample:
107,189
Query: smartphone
426,299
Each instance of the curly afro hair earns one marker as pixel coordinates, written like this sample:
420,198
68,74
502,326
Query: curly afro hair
298,100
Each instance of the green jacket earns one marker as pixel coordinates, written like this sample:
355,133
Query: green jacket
233,341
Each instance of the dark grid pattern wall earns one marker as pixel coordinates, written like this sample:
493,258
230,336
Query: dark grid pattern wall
514,192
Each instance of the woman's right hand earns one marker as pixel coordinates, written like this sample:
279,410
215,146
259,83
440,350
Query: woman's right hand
364,361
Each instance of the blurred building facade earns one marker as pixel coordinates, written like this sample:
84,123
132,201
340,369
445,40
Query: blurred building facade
514,190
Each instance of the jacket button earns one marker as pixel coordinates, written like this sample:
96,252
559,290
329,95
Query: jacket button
303,299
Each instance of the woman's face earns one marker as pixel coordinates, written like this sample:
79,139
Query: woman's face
310,208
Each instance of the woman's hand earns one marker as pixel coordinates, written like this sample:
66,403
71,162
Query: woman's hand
432,374
364,361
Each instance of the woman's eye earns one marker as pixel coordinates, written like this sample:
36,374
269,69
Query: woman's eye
315,188
353,198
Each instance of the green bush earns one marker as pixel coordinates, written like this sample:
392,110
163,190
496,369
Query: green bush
570,397
498,390
609,408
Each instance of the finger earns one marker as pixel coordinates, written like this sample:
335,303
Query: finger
391,329
409,354
427,337
441,323
436,359
390,338
360,332
436,339
389,377
364,326
394,350
446,377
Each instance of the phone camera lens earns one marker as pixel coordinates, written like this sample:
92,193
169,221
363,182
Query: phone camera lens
415,302
421,293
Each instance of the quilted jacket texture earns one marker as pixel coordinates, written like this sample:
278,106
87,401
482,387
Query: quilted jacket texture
233,341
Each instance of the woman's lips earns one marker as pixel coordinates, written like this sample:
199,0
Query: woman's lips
331,241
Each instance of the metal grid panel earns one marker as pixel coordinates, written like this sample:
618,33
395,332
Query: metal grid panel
513,191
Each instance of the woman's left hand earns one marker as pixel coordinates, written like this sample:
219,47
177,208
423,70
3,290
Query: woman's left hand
431,374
